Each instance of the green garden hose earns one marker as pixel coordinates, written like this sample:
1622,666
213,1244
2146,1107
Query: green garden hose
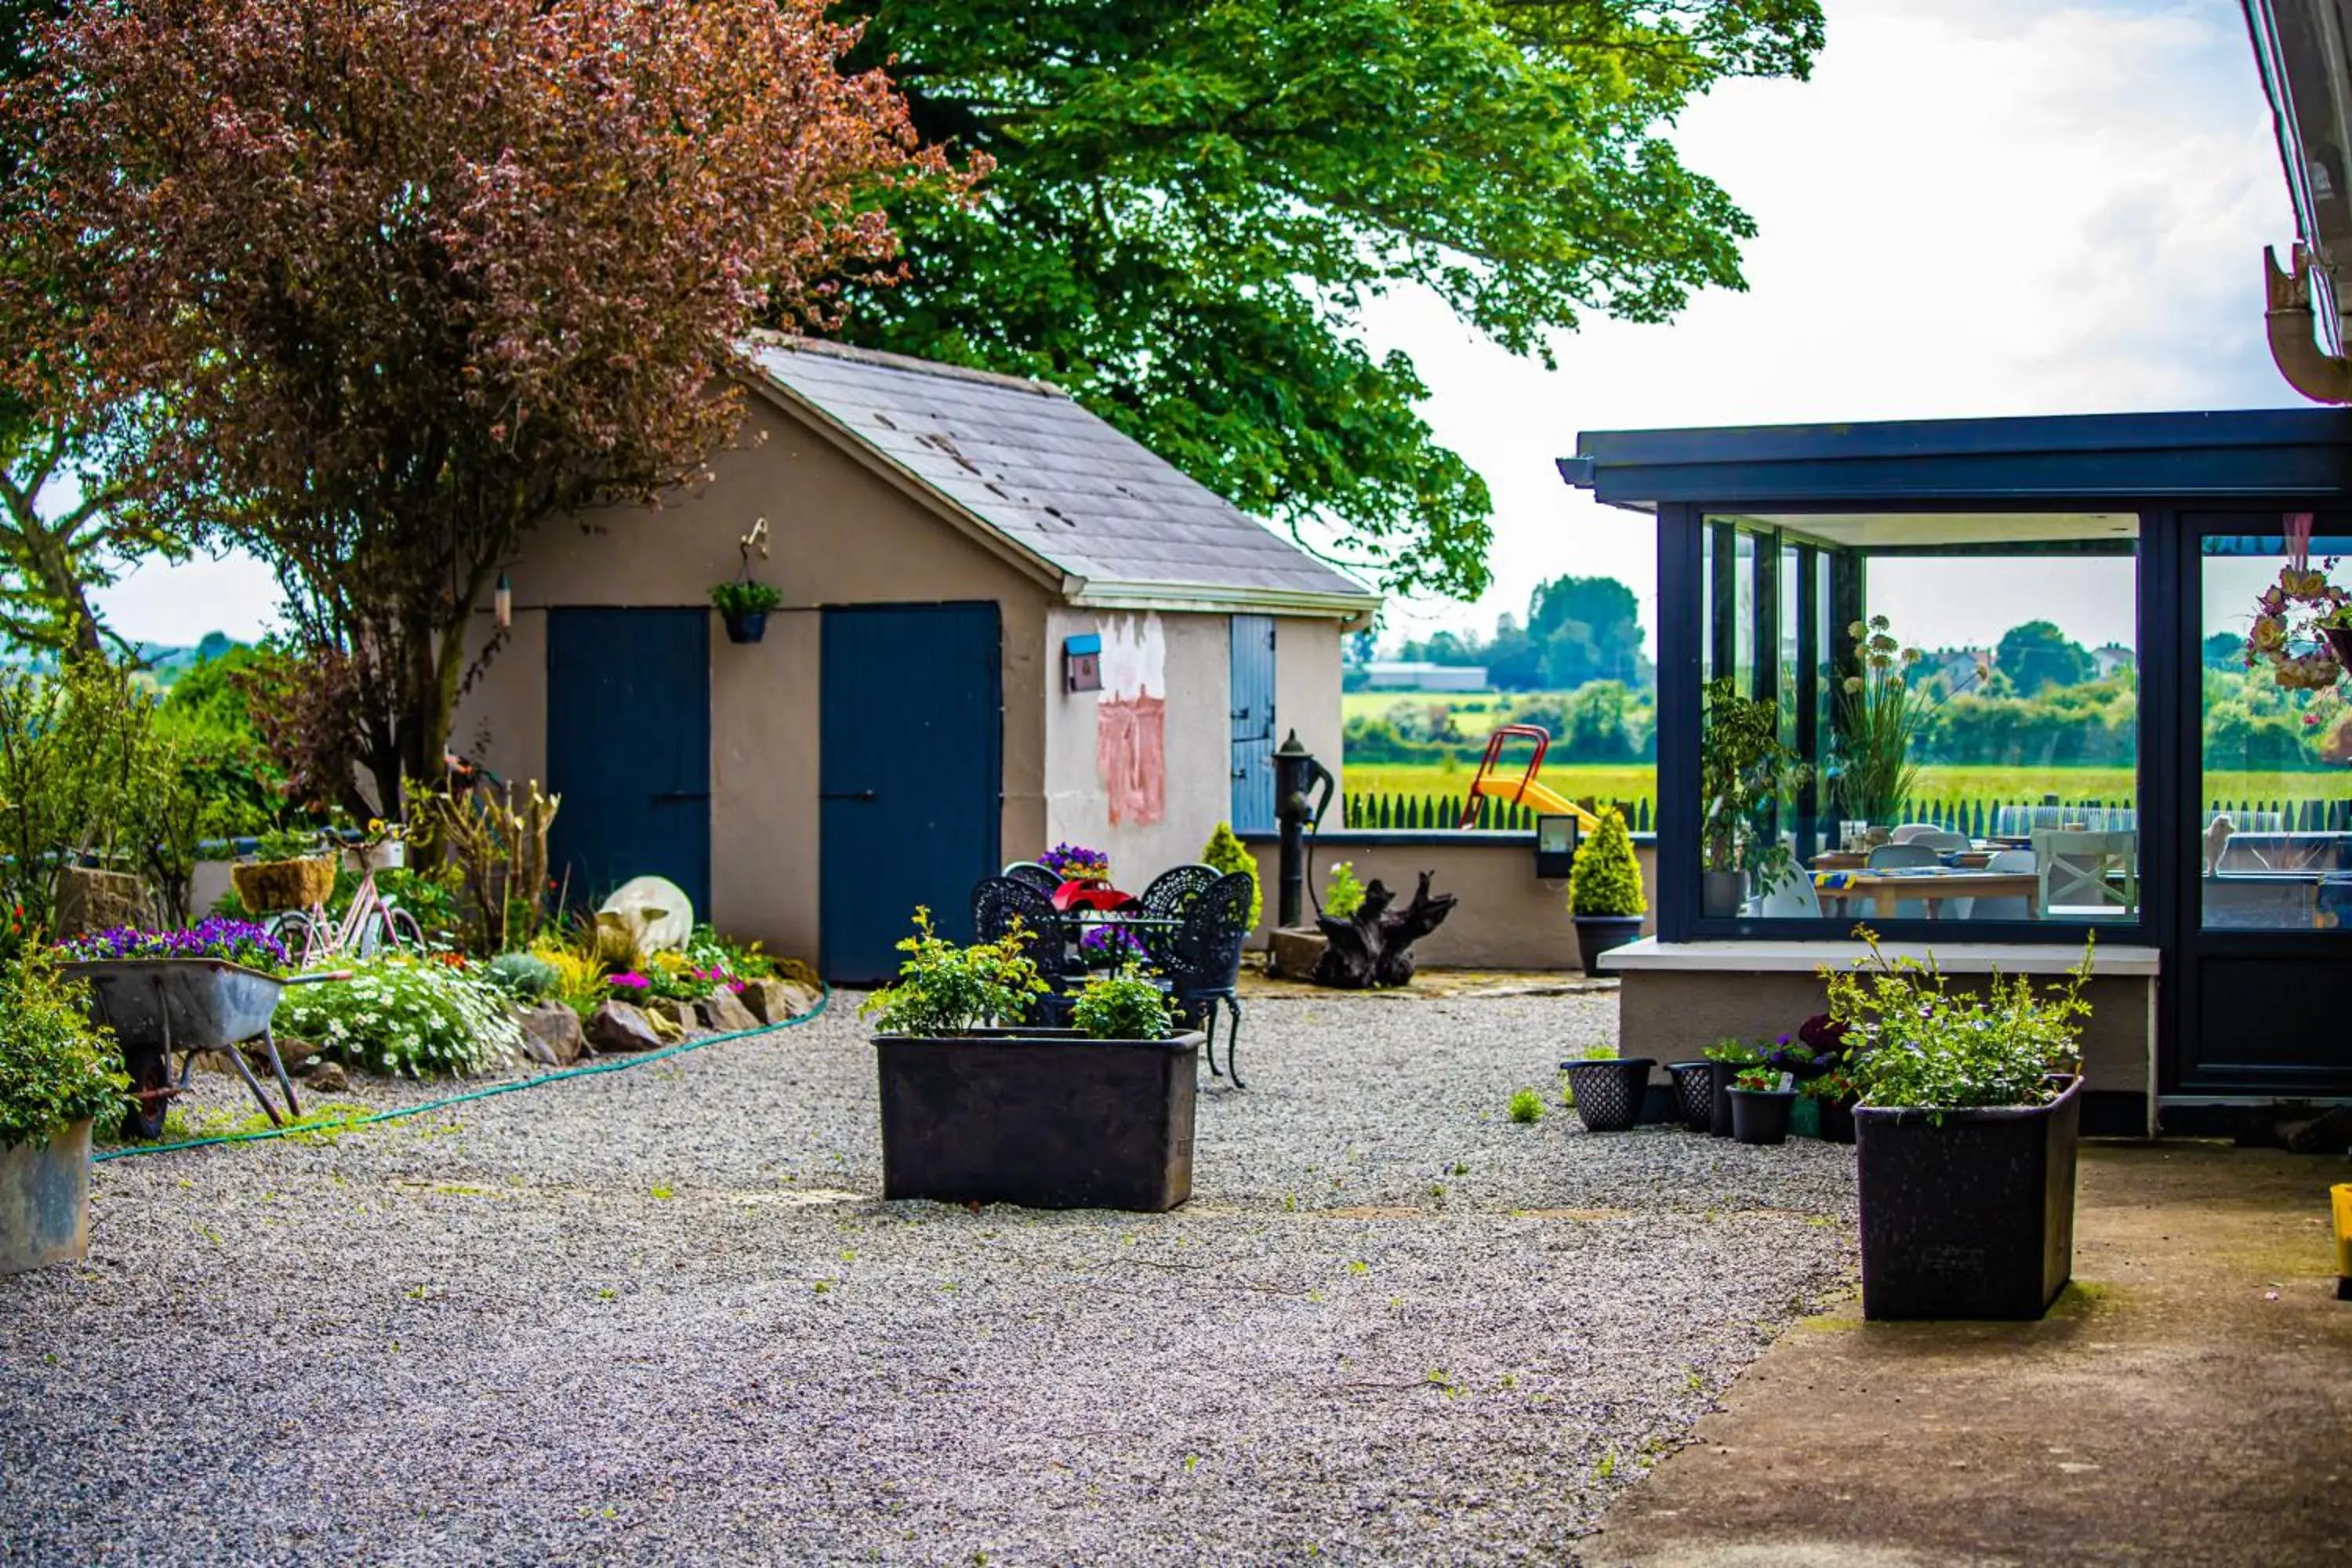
825,999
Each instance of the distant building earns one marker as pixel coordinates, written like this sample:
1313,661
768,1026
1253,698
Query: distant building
1960,668
2111,660
1397,675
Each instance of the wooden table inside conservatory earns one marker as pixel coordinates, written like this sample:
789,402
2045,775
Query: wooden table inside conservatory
1885,891
1854,859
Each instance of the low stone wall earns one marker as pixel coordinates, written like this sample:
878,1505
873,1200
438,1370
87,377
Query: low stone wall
1507,917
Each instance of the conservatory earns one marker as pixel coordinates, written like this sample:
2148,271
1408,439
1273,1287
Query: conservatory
1986,687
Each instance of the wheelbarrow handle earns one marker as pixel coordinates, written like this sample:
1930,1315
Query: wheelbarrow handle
318,979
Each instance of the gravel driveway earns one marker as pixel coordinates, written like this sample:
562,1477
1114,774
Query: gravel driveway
659,1316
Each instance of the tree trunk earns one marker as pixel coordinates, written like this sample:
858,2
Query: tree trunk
1373,947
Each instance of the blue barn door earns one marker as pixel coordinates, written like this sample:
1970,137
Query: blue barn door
1251,661
910,777
628,747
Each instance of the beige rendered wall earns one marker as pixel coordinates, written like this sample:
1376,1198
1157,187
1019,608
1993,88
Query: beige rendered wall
1506,919
1192,656
1182,658
840,534
1307,692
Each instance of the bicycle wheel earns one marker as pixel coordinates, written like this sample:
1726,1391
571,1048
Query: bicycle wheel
404,931
293,929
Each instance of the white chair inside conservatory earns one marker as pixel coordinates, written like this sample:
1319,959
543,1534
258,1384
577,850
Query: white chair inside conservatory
1792,898
2014,907
1911,830
1903,855
2087,875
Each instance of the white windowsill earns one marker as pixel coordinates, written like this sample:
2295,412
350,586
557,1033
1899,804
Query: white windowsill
1803,957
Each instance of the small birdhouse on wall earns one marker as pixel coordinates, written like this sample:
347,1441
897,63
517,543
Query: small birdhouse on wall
1082,662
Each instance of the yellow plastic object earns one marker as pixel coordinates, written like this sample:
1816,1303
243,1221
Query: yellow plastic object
2342,1193
1534,796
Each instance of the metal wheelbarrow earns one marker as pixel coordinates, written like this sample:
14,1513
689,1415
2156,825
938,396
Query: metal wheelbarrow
158,1005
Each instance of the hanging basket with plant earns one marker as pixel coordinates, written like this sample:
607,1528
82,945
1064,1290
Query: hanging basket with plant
288,871
744,602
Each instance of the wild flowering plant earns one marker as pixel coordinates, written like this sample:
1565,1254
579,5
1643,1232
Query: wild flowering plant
1925,1046
402,1016
239,941
1076,863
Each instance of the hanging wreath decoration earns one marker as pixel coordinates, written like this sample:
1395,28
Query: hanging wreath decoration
2302,622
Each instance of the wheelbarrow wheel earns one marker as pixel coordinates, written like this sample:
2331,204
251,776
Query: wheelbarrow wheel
151,1087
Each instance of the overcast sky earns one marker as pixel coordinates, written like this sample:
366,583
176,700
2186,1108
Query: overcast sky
1974,207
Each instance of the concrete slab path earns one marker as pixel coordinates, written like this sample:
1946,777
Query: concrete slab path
2190,1401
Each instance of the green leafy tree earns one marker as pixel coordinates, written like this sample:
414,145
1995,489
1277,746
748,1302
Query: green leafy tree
1193,201
2038,654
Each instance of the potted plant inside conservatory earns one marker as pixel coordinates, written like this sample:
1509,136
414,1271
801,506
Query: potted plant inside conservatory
1966,1131
1745,774
979,1106
1604,890
57,1076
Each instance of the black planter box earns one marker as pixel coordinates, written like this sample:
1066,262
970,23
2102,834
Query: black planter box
1973,1217
1044,1118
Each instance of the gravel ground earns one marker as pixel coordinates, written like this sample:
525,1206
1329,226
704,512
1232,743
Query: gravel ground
660,1316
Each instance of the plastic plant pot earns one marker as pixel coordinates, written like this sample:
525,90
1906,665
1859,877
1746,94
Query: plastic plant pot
1610,1093
1761,1115
1694,1093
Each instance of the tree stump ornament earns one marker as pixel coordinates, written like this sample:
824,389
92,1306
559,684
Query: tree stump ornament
1373,947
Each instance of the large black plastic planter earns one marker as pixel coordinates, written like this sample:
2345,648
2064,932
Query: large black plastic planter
1597,934
1760,1116
1044,1118
1610,1093
1971,1216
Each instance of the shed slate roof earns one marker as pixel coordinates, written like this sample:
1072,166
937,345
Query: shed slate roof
1060,484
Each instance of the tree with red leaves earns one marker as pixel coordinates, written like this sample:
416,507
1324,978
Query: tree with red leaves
389,283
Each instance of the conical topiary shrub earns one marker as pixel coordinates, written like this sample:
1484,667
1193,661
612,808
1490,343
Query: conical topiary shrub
1604,889
1227,853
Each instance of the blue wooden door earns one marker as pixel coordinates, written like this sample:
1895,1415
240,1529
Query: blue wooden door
628,747
910,777
1252,661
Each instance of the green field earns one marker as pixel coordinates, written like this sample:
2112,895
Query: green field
1967,785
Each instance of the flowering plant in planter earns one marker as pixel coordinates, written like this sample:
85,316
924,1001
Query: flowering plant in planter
1109,946
1075,863
1925,1046
944,989
1126,1005
238,941
56,1069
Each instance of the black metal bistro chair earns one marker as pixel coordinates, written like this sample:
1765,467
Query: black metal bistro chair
1036,876
999,904
1169,898
1204,962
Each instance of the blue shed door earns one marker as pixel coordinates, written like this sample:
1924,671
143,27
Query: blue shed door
910,777
1252,705
628,747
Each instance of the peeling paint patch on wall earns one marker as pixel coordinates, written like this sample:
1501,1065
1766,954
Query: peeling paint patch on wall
1131,720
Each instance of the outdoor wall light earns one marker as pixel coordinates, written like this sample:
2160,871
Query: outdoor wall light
502,602
1555,846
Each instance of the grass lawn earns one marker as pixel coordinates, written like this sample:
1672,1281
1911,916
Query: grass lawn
1991,786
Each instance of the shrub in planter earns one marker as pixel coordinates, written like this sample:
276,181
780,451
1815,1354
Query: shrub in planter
1761,1100
1729,1057
405,1016
58,1074
1967,1126
1604,890
978,1107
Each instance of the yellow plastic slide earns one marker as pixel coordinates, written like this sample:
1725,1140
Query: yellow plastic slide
1535,797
